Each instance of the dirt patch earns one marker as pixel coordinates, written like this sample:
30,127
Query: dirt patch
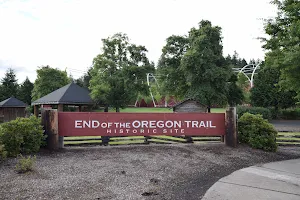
181,171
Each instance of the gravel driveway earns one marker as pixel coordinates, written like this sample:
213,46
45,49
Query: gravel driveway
181,171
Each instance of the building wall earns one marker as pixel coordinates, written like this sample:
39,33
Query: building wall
8,114
190,106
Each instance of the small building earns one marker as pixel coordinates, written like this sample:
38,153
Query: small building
71,95
190,105
12,108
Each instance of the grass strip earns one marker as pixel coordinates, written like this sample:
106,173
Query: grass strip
127,142
169,138
82,138
288,138
83,142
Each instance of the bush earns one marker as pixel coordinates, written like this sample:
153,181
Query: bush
3,153
23,135
291,113
25,164
257,132
265,112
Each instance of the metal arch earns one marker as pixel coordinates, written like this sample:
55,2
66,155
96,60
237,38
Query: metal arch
252,76
148,82
248,71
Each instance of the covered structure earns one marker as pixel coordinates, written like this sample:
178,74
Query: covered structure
12,108
189,105
70,94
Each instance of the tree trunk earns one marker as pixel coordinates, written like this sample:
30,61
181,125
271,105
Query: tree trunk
117,109
106,108
105,139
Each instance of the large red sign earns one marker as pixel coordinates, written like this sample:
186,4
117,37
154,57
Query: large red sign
143,124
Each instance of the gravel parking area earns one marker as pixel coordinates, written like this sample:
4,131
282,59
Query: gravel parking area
181,171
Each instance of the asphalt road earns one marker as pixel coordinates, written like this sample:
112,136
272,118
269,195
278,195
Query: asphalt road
286,125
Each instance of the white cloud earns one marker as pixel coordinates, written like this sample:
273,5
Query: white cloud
67,34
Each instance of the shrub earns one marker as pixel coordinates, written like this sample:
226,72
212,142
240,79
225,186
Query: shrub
23,135
257,132
291,113
265,112
3,153
25,164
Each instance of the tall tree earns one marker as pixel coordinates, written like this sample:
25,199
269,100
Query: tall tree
9,85
204,66
25,90
48,80
119,72
84,80
235,94
172,77
284,43
267,93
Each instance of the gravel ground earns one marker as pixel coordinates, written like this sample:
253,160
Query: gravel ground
181,171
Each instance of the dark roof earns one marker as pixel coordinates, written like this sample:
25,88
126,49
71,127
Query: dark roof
70,94
12,102
189,99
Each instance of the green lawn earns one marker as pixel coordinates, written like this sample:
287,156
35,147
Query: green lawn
157,110
218,110
151,110
288,134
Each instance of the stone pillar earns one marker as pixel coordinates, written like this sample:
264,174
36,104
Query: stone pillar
50,123
231,127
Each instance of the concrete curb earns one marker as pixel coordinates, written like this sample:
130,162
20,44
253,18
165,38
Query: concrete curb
277,180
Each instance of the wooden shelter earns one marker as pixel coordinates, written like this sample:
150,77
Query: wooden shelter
70,94
12,108
189,105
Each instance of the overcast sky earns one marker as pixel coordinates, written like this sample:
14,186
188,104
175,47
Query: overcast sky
67,33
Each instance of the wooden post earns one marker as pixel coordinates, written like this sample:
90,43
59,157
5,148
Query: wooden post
231,127
60,108
50,123
36,110
105,139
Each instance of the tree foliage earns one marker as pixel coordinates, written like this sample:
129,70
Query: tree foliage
84,80
9,85
235,60
235,93
193,66
172,76
204,66
25,90
267,93
284,43
119,72
48,80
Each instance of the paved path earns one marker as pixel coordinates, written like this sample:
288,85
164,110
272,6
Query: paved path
272,181
287,125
